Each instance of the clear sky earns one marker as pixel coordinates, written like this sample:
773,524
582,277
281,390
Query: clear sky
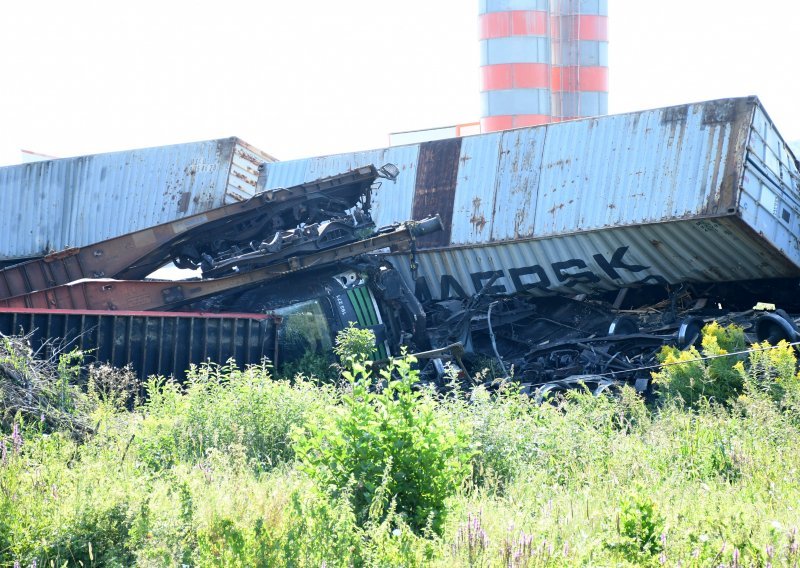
308,77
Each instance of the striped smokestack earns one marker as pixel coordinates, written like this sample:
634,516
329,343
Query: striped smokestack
579,34
515,63
542,61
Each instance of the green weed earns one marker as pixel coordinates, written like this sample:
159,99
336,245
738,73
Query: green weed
387,446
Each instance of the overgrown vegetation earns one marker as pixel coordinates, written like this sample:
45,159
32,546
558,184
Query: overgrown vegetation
236,468
694,377
385,447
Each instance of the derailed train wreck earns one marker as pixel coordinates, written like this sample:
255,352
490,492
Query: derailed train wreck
569,250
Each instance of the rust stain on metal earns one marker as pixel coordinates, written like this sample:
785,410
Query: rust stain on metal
249,157
519,219
478,220
435,187
183,201
559,163
718,117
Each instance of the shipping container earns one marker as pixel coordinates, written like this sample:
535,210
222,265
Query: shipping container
72,202
704,192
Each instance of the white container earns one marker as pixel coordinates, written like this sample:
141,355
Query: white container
72,202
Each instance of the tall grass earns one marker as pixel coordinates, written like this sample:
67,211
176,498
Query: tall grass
209,474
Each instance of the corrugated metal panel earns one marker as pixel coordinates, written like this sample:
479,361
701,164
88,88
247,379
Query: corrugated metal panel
518,179
580,175
56,204
693,250
153,343
473,211
633,168
435,189
243,173
770,198
565,192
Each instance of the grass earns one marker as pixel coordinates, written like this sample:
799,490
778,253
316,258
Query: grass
208,475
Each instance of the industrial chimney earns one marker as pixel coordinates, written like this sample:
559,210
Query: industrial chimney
515,63
542,61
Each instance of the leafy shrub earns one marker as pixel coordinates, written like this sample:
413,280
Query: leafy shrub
223,407
386,446
639,530
772,369
688,378
98,537
306,527
354,344
311,365
503,429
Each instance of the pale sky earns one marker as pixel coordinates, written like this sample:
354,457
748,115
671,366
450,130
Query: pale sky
304,78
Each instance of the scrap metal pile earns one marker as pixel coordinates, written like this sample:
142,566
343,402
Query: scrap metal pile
566,252
285,235
558,342
300,255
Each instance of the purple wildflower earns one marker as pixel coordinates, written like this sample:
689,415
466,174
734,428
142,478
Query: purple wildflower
472,537
517,551
16,438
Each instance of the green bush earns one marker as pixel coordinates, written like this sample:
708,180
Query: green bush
312,366
388,446
773,370
639,527
207,475
223,406
689,378
354,345
96,537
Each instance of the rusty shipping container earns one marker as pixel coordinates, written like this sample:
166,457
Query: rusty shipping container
705,192
71,202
